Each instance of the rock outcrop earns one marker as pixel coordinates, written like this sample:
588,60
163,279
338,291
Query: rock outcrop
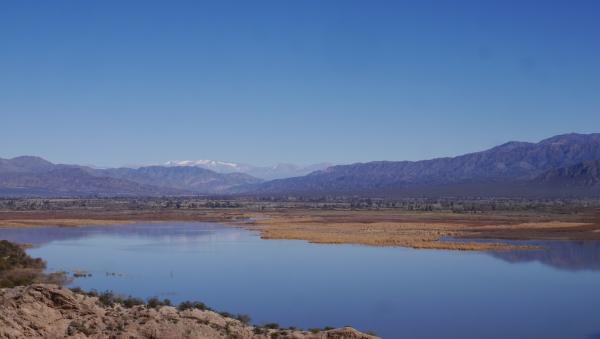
50,311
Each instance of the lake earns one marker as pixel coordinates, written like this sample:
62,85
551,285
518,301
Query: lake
395,292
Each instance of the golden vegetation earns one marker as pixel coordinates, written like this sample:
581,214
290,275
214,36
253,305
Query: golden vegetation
415,229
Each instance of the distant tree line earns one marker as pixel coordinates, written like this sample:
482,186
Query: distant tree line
455,205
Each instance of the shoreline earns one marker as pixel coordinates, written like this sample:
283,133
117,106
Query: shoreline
419,230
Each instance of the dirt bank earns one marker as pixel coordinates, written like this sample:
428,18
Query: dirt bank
48,311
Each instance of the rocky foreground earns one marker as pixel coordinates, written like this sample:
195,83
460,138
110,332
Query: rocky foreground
50,311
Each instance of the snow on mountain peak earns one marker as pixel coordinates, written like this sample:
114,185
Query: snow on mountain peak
202,163
269,172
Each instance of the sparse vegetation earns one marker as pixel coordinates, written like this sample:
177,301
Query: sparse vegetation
244,318
406,222
186,305
17,268
154,302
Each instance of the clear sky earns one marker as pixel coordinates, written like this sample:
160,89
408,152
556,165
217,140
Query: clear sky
139,82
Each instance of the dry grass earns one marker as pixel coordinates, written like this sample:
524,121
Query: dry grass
373,228
418,230
413,235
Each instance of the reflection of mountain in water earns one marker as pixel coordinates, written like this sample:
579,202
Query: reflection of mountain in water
566,255
158,231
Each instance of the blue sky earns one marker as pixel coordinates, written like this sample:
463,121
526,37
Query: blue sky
138,82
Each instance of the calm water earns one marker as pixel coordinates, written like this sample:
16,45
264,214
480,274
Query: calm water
396,292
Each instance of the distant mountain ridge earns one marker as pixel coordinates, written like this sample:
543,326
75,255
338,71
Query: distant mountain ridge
581,175
566,164
65,180
25,164
213,165
34,176
510,163
278,171
191,179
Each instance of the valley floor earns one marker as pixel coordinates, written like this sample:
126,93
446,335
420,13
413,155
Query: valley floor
415,229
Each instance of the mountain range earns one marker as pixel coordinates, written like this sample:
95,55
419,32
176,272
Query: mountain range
514,168
278,171
566,164
34,176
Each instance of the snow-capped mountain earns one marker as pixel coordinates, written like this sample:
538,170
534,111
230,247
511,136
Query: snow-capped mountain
213,165
278,171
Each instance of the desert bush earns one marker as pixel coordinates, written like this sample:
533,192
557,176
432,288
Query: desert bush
17,268
76,290
185,305
258,330
131,301
154,302
244,318
107,298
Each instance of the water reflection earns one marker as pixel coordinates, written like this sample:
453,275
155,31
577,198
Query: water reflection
561,254
396,292
159,232
566,255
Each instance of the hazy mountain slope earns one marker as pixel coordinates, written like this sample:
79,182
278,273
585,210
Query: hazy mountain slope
510,162
213,165
278,171
190,178
66,181
564,164
584,174
25,164
35,176
281,171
